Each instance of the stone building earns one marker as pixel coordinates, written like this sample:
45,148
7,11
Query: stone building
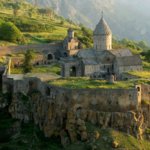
101,60
71,44
46,53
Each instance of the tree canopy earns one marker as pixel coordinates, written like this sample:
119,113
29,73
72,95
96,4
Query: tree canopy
9,32
27,64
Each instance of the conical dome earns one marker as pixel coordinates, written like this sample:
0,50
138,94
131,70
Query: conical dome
102,28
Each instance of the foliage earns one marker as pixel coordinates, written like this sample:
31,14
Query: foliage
146,54
27,64
9,32
146,65
39,69
46,11
141,74
107,136
29,137
16,7
135,46
85,36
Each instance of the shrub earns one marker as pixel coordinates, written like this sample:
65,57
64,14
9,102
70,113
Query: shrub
27,64
9,32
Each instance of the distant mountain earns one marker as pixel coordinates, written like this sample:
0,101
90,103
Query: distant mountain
126,18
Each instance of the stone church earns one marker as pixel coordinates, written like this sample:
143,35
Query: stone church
101,60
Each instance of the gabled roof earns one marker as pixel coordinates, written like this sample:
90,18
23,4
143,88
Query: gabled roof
121,52
102,28
95,57
129,60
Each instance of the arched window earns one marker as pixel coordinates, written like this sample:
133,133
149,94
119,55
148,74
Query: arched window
138,88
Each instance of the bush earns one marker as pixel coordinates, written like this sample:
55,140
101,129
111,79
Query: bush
27,64
9,32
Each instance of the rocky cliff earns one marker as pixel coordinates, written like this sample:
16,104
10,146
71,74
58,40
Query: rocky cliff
70,124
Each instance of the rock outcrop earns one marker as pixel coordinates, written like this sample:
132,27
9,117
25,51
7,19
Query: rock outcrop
68,120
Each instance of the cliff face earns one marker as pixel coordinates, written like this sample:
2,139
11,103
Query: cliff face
68,120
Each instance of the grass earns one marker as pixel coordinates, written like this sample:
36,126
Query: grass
6,43
45,29
87,83
55,68
141,74
84,82
146,66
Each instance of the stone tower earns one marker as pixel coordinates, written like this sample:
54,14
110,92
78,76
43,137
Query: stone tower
70,33
102,36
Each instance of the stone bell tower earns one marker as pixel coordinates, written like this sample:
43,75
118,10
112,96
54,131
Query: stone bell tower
102,36
70,33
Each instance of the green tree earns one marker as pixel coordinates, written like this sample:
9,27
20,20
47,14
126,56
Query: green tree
27,64
31,12
147,55
16,6
9,32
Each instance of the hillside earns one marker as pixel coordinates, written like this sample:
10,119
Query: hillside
124,16
36,24
39,26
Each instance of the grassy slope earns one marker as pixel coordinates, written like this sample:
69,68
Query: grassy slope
55,29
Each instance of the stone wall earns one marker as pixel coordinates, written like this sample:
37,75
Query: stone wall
95,99
99,99
90,69
61,111
122,69
103,42
58,115
72,52
145,92
71,68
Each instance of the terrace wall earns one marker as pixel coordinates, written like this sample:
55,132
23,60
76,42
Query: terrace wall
110,100
145,92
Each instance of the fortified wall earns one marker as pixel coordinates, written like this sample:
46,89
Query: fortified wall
62,111
145,92
110,100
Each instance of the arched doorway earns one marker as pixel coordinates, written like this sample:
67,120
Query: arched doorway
50,57
73,71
